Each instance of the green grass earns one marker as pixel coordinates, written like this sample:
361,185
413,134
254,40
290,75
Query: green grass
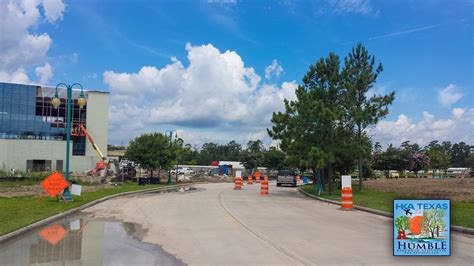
17,212
462,213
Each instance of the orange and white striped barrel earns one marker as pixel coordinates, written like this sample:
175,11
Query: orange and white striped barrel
238,183
346,199
264,188
257,178
298,178
249,180
265,178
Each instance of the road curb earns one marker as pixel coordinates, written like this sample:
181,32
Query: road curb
456,228
35,225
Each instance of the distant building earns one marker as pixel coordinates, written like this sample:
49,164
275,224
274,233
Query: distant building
33,132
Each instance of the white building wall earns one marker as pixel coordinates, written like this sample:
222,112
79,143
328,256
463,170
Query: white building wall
15,152
97,122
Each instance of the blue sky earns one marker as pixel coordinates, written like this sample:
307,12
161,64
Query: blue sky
426,48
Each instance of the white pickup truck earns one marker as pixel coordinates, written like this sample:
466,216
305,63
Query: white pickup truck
287,177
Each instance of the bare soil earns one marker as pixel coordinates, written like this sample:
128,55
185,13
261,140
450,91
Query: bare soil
452,188
37,190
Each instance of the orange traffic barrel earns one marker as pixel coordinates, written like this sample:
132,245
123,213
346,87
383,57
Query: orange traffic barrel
238,183
298,178
249,180
257,178
265,178
346,199
264,188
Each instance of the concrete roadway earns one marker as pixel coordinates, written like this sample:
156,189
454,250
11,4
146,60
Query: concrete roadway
221,226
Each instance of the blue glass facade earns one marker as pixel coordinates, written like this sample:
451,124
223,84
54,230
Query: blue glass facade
26,113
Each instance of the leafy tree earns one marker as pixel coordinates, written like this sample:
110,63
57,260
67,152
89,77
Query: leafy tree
152,151
460,153
312,124
418,161
402,223
253,156
439,156
433,220
273,159
359,76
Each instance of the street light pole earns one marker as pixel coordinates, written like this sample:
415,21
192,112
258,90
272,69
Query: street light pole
171,141
56,102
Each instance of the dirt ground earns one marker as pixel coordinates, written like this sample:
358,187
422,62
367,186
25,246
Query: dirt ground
452,188
37,190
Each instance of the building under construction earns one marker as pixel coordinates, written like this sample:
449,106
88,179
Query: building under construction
33,132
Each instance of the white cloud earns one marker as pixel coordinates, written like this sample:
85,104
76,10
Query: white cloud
458,127
362,7
53,9
17,76
44,73
215,94
449,95
273,69
20,48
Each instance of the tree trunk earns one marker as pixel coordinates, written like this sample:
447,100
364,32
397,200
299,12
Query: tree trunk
151,173
315,178
330,176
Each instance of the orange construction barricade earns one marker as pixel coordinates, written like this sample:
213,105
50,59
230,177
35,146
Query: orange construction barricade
249,180
238,183
264,188
346,199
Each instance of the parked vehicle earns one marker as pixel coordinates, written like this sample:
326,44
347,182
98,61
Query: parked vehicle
183,171
286,177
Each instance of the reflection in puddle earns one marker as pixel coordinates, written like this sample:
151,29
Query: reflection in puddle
84,241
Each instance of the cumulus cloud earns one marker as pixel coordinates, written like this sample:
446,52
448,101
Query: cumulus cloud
458,127
449,95
20,47
44,73
273,69
215,94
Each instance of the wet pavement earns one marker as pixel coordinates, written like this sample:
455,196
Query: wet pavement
84,240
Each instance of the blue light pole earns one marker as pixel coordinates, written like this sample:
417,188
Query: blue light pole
81,101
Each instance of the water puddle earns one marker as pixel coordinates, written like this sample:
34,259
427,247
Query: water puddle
81,240
179,190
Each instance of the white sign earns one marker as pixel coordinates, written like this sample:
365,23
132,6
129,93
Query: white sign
346,181
76,190
238,174
75,225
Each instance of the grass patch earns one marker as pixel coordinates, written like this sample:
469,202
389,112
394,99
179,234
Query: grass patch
462,213
17,212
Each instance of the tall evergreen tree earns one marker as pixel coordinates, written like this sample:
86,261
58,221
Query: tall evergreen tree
359,75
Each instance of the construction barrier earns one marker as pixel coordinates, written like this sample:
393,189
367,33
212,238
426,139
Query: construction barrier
264,188
265,178
298,179
249,180
346,199
257,178
238,183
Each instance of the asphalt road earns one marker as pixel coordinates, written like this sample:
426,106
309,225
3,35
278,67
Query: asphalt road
221,226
